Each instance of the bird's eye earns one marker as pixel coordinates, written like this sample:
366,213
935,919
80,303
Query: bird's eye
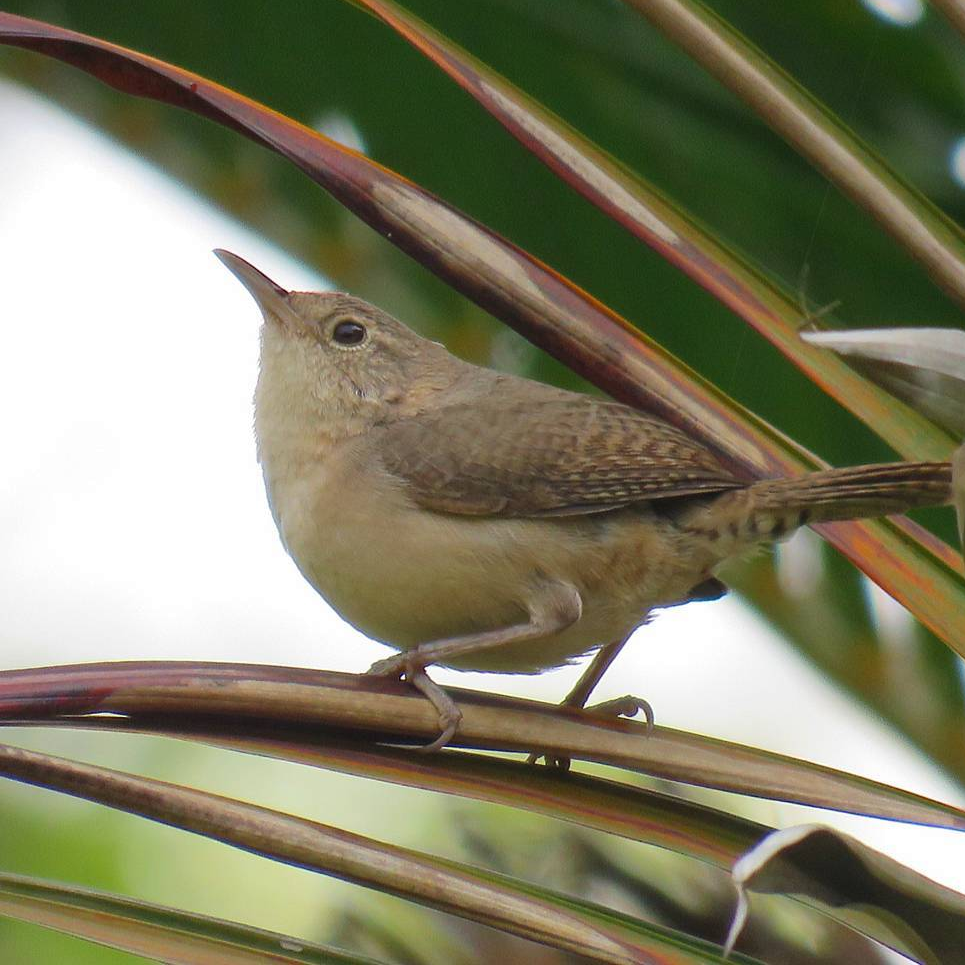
348,333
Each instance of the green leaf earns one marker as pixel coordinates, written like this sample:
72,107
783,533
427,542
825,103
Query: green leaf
924,231
166,934
669,229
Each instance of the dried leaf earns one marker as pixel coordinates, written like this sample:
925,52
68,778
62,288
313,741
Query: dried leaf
524,909
316,705
958,491
923,366
912,914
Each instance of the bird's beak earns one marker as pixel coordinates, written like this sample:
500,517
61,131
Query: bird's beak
272,299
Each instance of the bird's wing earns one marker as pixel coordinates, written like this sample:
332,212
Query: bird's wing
567,455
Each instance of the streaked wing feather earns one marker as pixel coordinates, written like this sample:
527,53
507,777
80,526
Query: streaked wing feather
567,455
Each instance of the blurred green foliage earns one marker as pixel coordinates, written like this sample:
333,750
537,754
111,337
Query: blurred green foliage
602,68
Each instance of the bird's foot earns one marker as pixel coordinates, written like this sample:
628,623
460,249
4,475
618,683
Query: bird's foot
410,666
626,706
561,764
394,666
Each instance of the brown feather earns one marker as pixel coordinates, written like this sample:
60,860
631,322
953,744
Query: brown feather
567,454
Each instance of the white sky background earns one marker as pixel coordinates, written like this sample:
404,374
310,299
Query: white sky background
133,517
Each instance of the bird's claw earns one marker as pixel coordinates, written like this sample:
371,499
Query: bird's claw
561,764
449,725
626,706
410,667
394,666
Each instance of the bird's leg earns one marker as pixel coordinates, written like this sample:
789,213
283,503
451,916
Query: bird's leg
552,607
708,589
625,706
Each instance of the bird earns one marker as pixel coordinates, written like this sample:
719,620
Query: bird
480,520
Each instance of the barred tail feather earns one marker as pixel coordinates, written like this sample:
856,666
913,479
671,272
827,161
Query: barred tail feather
857,492
773,508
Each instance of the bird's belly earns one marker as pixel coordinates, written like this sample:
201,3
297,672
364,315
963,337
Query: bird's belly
405,576
399,574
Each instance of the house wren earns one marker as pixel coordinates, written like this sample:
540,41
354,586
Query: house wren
485,521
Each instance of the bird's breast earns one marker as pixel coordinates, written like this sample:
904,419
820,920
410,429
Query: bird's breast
404,575
398,573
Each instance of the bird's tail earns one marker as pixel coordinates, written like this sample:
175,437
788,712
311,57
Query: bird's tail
774,508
